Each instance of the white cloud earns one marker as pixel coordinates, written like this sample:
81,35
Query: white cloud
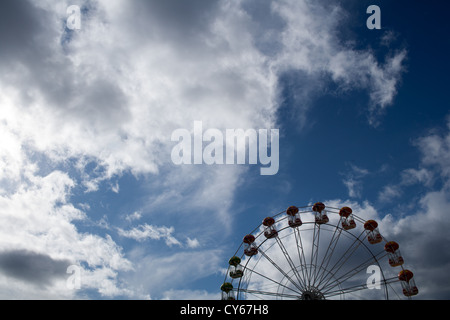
134,216
435,149
353,187
413,176
389,193
408,177
353,180
192,243
145,231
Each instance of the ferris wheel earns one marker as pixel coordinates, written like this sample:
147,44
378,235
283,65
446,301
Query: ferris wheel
316,253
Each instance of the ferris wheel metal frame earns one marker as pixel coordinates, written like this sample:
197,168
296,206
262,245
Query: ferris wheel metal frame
312,272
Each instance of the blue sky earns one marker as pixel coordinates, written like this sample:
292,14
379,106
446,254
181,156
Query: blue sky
86,118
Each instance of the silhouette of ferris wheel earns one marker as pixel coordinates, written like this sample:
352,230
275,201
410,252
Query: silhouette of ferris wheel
316,253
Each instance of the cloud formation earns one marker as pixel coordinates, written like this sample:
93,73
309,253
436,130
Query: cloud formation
83,107
146,231
420,224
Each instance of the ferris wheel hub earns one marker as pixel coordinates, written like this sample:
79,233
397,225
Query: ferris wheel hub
312,294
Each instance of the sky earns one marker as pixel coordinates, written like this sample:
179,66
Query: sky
87,115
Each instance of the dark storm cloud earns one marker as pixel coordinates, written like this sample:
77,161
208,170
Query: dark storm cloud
174,21
32,267
19,23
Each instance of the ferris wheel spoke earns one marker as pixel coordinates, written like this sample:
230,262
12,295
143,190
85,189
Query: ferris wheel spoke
356,288
389,284
342,260
268,293
329,253
329,276
301,254
290,262
314,252
345,291
353,272
297,285
270,279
